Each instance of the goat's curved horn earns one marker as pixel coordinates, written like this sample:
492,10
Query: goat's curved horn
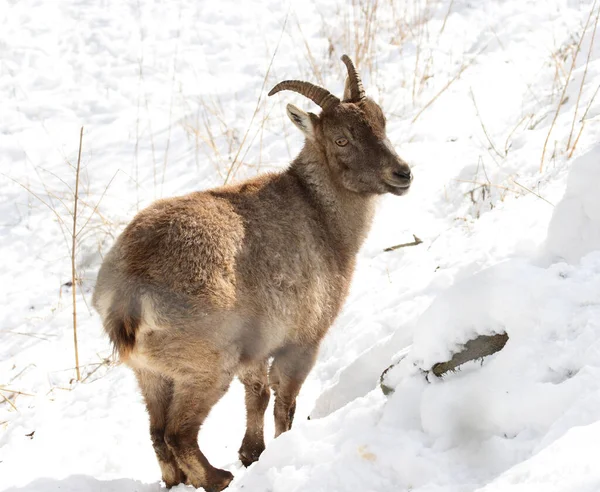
357,91
317,94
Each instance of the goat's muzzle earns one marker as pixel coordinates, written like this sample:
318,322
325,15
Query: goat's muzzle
399,179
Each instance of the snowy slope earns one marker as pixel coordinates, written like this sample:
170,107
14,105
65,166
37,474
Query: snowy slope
172,96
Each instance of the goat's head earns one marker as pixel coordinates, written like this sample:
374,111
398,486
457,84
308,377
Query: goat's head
351,133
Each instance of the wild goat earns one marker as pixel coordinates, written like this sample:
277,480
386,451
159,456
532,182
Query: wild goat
206,286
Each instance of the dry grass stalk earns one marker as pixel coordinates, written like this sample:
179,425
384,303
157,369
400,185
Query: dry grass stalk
560,57
172,97
354,32
95,210
236,163
206,132
59,219
14,391
446,16
421,22
105,363
507,142
11,393
442,90
32,335
483,126
583,122
152,147
479,183
566,84
63,213
587,62
532,192
73,250
142,89
309,55
9,402
364,34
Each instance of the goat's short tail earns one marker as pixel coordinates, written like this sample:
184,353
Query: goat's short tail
122,323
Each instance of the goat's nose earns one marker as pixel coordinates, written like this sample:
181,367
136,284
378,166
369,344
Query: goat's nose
403,173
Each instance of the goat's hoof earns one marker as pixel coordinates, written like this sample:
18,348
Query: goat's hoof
249,455
247,460
176,479
217,480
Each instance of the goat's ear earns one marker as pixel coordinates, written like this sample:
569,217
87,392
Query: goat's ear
347,96
303,120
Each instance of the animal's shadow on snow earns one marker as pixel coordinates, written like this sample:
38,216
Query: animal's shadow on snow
84,483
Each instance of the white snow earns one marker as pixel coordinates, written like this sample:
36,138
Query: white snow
574,230
169,92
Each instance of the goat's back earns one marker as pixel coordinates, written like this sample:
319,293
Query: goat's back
247,265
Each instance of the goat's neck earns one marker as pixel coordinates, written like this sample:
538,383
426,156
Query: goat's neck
346,215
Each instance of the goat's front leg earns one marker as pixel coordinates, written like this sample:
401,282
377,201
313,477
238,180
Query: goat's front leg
256,384
288,372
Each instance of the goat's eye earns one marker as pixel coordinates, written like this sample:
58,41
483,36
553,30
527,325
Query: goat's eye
342,142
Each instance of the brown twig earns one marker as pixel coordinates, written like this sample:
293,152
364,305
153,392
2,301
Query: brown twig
416,242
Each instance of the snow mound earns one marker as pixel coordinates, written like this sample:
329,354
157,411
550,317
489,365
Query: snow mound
557,468
527,398
574,229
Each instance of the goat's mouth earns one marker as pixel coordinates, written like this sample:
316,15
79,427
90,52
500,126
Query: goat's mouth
396,188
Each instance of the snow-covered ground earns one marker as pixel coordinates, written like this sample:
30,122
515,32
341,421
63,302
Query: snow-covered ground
172,97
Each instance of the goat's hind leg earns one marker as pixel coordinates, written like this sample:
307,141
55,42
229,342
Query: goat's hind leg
192,400
256,384
158,392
